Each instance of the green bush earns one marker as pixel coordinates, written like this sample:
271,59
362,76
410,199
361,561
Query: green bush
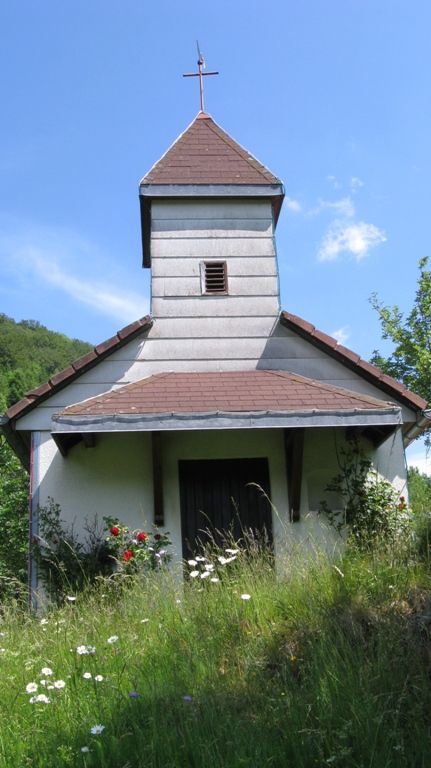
68,564
373,511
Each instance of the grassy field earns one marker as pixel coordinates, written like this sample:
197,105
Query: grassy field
327,666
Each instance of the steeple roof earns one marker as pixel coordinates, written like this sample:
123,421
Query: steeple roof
206,154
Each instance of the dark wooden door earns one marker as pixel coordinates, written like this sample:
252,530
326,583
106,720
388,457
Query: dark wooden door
221,495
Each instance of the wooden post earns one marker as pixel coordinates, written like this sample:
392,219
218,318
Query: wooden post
156,444
294,447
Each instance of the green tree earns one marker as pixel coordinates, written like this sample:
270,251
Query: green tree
29,355
13,522
419,492
410,362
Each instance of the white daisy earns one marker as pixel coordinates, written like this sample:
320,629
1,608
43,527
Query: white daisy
112,639
81,650
31,688
85,749
192,563
46,671
98,678
96,729
205,574
193,574
215,579
87,675
59,684
245,596
40,699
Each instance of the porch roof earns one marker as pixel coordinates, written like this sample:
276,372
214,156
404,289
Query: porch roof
217,400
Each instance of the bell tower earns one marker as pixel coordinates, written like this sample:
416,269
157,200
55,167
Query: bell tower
209,211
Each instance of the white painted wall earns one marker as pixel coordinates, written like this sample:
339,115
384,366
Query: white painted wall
115,479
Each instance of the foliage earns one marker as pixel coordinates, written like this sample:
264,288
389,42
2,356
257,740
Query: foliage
68,564
136,550
419,492
29,355
372,509
13,523
410,361
321,667
65,563
420,500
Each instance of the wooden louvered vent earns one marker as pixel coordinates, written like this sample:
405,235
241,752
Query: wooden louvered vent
215,277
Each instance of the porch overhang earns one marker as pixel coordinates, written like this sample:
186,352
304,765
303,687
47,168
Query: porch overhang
171,422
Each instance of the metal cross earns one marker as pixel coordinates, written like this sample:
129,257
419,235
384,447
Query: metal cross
200,75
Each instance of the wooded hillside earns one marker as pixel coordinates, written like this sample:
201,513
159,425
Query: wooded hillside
29,355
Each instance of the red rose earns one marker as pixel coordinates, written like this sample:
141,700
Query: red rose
115,530
141,536
157,536
129,553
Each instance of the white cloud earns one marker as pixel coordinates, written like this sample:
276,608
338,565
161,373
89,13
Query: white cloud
344,207
342,334
55,258
335,184
420,462
116,303
354,238
355,183
293,205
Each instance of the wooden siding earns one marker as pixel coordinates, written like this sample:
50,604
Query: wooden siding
198,332
185,286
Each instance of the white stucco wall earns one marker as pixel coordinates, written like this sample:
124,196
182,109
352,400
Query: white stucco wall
115,479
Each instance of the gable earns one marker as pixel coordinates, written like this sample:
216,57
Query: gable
204,344
340,360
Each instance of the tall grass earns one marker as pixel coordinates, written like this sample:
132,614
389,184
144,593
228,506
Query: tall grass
327,666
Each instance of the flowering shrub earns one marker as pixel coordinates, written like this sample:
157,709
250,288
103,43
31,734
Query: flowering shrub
136,550
373,511
67,563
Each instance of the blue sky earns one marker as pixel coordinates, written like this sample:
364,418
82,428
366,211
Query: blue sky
331,95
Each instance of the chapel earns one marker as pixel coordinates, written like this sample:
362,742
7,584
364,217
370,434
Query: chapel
219,411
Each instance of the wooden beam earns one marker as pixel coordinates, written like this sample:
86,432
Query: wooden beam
65,442
156,445
294,448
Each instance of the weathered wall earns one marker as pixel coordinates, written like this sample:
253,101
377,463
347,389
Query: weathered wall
115,478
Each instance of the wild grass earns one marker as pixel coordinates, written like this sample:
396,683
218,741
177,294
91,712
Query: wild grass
326,666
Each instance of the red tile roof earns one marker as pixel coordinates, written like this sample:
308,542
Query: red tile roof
369,372
239,391
205,154
62,379
350,359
